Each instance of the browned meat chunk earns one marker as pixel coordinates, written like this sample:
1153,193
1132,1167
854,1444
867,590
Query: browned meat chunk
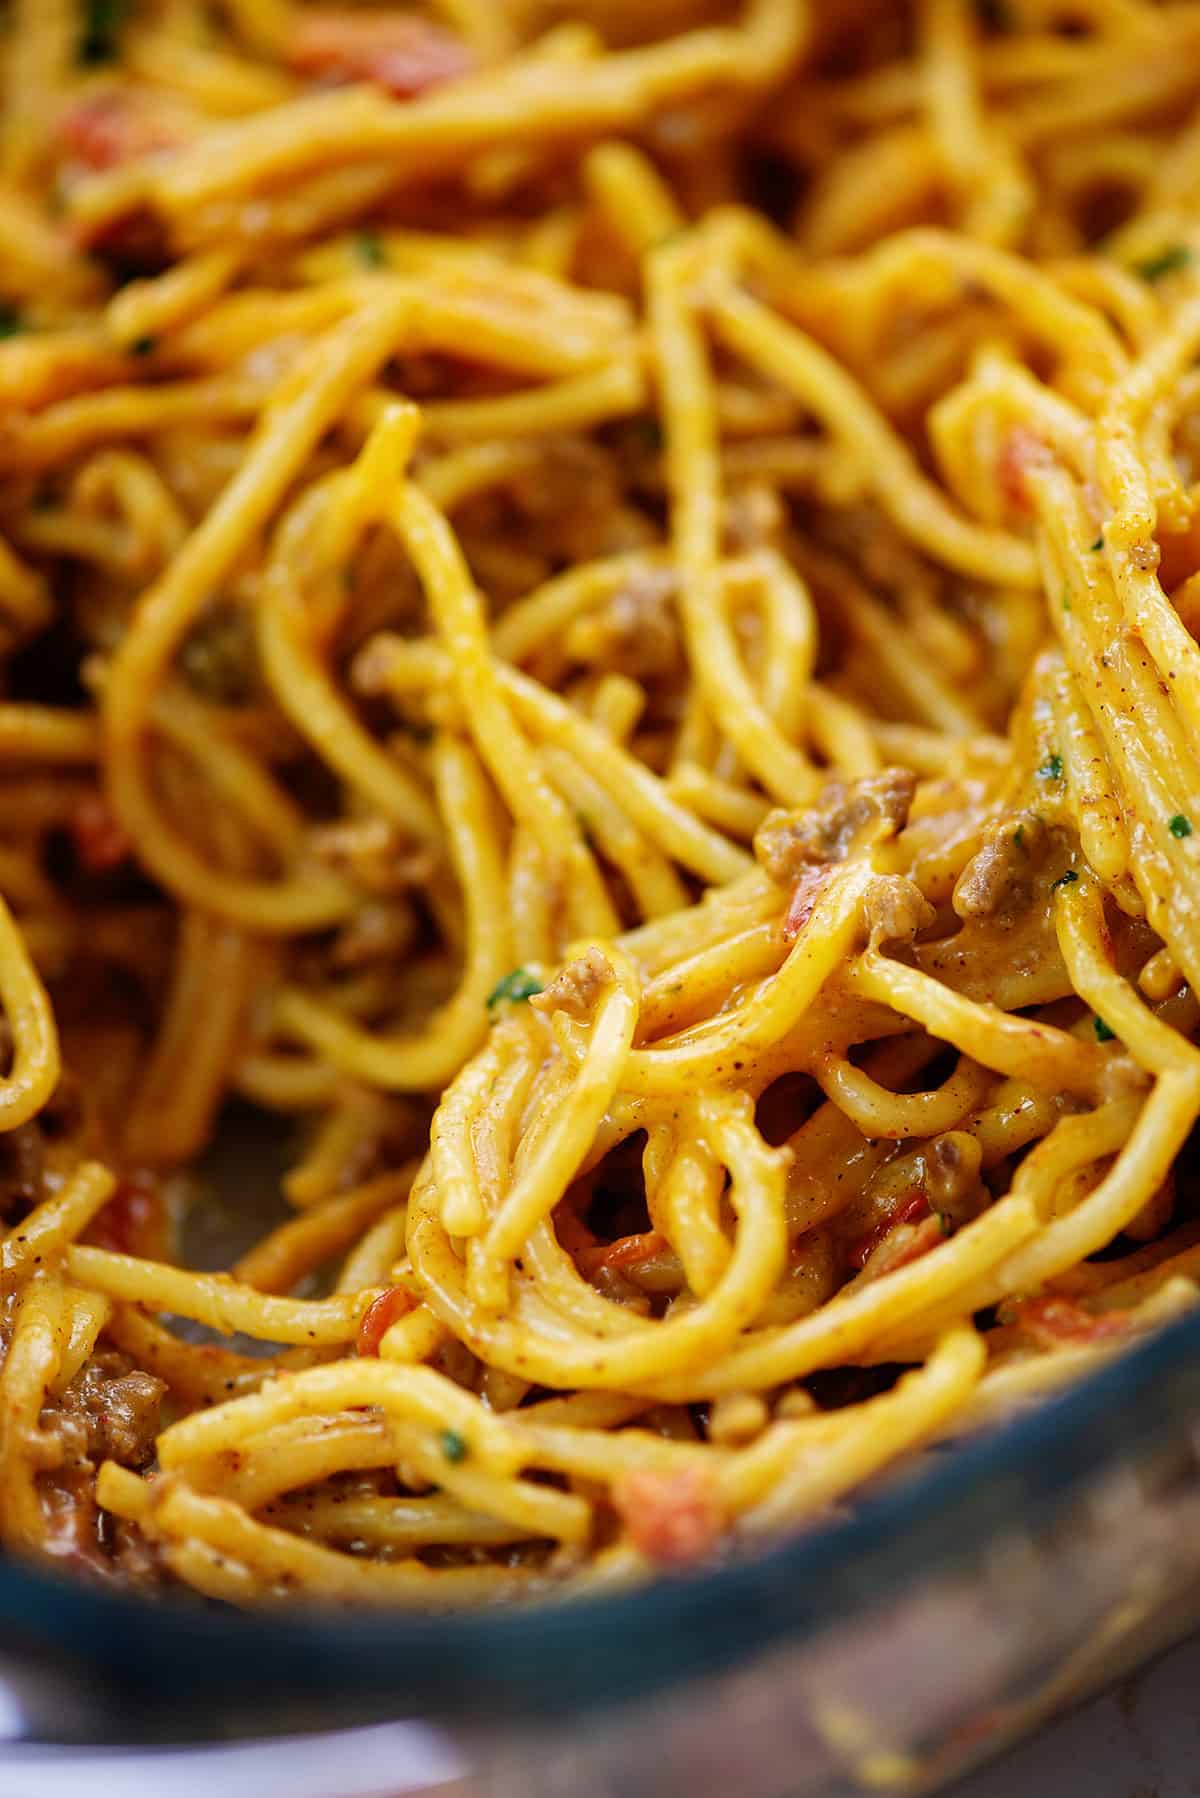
375,854
109,1412
576,989
635,632
896,910
997,882
848,818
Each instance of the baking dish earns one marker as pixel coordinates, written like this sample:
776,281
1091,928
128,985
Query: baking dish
959,1606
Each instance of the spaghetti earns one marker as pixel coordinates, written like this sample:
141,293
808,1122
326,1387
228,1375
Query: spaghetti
599,612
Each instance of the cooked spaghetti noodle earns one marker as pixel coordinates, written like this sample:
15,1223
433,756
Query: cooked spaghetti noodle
600,614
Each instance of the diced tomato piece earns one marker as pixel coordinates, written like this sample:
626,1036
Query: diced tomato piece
1053,1321
134,1220
803,901
131,239
1022,451
101,841
627,1251
910,1210
112,128
906,1244
379,1317
399,51
674,1518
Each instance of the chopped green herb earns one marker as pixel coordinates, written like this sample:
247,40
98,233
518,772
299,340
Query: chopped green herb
101,27
454,1446
1019,836
1065,880
1097,546
513,989
370,250
1103,1033
1180,826
1168,262
1066,603
1052,767
143,346
11,322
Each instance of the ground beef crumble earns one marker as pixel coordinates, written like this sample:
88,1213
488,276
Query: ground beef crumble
109,1412
848,818
576,988
998,881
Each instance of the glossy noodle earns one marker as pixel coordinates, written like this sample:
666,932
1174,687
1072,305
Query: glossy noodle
598,608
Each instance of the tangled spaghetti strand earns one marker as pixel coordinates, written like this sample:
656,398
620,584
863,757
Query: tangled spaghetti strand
599,616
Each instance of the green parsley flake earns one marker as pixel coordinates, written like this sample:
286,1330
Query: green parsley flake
143,346
100,29
11,323
1180,826
454,1447
1066,602
1065,880
371,250
1097,546
1019,836
514,989
1103,1033
1052,767
1169,261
